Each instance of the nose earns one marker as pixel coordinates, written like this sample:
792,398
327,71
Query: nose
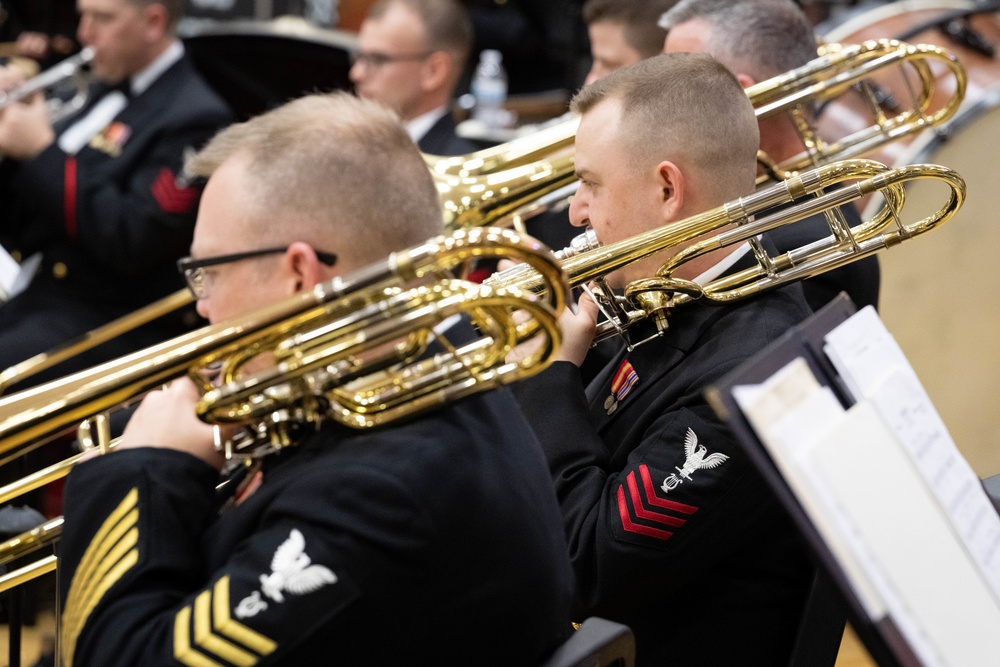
578,211
201,305
354,74
83,31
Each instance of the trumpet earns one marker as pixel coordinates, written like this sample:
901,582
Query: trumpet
69,71
821,190
503,184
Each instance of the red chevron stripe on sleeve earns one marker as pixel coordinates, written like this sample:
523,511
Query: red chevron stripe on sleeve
170,197
633,527
647,506
653,499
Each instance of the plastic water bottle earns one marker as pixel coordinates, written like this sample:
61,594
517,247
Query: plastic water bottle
489,87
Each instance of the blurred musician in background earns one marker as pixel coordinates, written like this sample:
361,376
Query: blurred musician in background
671,529
100,195
759,40
437,538
622,32
410,57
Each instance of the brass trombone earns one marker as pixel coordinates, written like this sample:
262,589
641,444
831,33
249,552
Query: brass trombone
350,350
742,220
496,184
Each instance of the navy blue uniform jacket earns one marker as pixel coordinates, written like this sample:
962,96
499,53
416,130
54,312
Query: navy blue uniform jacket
671,530
433,541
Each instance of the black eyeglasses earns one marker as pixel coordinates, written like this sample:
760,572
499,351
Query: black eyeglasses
193,270
377,59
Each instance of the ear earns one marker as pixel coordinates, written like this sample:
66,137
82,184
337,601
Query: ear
155,21
303,268
671,181
436,71
745,80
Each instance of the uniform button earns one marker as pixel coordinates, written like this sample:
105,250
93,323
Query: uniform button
59,270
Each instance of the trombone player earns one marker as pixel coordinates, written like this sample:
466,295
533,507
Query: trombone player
353,546
671,530
99,196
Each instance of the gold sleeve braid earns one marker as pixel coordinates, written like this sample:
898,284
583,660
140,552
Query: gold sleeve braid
217,632
111,554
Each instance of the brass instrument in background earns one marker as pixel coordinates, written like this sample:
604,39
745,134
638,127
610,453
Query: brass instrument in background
52,81
843,68
742,220
350,350
507,184
502,185
40,362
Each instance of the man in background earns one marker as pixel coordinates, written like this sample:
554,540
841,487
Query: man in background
99,196
758,40
410,57
622,32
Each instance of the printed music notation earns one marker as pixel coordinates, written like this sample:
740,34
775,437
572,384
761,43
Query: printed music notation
885,485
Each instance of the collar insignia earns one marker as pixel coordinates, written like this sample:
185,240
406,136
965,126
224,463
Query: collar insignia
695,459
624,381
291,572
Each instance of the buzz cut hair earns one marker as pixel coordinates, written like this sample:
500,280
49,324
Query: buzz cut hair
686,108
332,170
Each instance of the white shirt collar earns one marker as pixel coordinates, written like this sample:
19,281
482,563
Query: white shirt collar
721,267
144,79
421,125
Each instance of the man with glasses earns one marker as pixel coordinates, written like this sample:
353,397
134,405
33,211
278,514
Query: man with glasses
437,538
410,57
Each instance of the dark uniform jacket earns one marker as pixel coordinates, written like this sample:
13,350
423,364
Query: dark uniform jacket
436,541
671,529
441,139
111,221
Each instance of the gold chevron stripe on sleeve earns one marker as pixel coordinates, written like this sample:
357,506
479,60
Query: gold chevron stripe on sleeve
205,638
111,554
211,621
232,628
182,642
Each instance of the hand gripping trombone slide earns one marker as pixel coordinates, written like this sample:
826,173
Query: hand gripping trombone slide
351,350
821,190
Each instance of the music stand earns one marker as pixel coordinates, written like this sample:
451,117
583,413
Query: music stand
881,637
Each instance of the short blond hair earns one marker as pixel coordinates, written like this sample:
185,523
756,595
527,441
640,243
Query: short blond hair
688,108
332,170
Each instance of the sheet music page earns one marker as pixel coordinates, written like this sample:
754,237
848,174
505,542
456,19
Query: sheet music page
938,600
869,358
788,411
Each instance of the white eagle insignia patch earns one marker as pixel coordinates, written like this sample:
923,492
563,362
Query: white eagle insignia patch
292,572
695,459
